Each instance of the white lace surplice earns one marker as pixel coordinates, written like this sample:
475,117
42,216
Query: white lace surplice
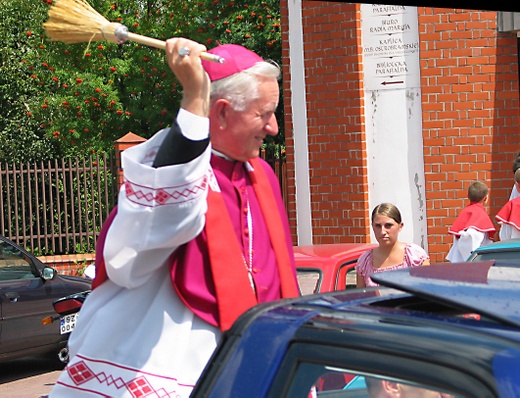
134,336
464,244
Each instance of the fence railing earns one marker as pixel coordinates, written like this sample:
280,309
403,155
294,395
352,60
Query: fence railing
58,207
276,158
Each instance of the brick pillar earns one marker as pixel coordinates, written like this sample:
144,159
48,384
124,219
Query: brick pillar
125,142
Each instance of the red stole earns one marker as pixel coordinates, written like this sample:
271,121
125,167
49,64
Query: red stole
473,216
510,213
234,294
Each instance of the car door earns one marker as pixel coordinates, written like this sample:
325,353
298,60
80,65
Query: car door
25,300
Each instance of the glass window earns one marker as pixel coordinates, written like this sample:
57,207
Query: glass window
351,282
333,382
14,264
309,280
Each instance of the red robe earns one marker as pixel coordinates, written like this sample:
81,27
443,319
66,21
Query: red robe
510,213
473,216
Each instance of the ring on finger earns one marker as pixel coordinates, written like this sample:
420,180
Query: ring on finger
184,51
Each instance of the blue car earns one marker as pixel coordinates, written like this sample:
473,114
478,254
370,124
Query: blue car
436,331
507,250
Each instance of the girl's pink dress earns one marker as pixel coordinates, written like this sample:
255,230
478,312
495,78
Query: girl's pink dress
414,255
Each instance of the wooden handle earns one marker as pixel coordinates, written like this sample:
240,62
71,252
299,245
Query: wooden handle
148,41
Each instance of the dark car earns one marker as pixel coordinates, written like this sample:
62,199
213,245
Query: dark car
442,330
506,250
328,267
28,289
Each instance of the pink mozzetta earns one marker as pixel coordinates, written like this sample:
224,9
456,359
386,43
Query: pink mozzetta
237,59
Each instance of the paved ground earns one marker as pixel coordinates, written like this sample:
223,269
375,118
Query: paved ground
27,378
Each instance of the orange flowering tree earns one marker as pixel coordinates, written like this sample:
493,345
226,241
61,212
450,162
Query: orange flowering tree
71,99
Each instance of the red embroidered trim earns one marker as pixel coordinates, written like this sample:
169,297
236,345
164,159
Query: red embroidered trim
139,385
151,197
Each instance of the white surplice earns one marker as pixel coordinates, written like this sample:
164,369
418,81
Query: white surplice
134,336
464,244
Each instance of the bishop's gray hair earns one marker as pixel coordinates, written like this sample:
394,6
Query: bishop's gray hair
242,88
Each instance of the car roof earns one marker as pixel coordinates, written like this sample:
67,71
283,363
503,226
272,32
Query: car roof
510,244
462,316
308,255
489,288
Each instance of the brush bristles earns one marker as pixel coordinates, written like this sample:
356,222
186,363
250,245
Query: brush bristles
75,21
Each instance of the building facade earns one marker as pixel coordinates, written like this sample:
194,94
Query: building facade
449,115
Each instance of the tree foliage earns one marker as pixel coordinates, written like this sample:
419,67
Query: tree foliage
62,100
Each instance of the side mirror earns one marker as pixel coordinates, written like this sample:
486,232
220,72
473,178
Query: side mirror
48,273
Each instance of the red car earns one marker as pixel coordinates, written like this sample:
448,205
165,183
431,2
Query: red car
328,267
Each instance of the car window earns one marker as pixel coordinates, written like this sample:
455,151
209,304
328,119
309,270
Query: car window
342,383
351,279
309,280
14,264
320,370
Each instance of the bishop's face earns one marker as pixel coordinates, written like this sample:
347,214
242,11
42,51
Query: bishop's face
240,134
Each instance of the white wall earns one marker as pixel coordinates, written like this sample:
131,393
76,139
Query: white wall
393,115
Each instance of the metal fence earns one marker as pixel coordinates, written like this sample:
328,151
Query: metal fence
58,207
275,156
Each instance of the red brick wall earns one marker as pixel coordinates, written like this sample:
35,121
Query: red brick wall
335,122
68,264
470,113
470,92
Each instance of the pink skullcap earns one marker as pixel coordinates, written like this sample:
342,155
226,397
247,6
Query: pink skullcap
237,58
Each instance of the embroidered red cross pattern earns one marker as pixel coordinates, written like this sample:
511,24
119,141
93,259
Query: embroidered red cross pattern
138,387
80,373
161,196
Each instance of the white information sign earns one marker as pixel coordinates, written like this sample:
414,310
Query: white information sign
390,41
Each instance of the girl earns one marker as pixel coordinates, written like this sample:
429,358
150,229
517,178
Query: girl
391,253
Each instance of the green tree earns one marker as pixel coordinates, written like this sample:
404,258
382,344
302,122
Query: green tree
71,99
21,136
255,25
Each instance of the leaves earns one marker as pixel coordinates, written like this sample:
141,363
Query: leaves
71,99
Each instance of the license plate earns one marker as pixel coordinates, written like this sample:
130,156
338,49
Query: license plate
68,322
